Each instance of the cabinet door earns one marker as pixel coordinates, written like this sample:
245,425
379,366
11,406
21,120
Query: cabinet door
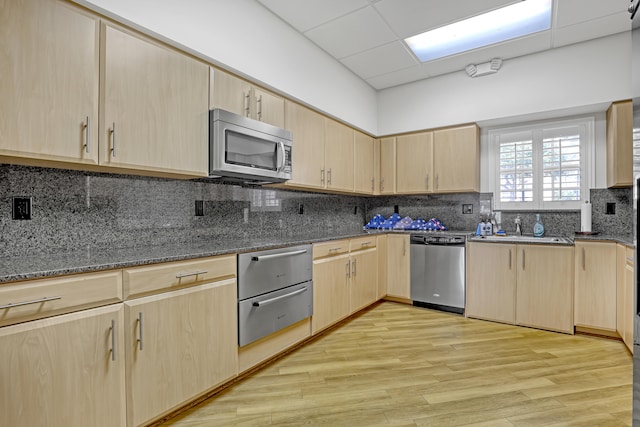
49,82
155,107
595,285
64,370
338,155
544,294
629,298
398,264
230,93
179,344
364,279
308,145
620,144
491,282
363,160
621,262
382,266
414,163
456,159
269,108
388,166
330,291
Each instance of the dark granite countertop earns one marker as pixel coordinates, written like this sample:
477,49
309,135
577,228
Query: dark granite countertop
86,260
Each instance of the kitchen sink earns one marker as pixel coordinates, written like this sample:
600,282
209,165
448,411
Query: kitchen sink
522,239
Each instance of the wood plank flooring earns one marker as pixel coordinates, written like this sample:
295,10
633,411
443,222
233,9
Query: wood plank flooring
399,365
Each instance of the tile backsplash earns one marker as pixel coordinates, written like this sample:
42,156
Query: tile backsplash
73,209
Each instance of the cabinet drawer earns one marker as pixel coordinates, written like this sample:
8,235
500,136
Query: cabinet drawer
362,243
140,281
35,299
336,247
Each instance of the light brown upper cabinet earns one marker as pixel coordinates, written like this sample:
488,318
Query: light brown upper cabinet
154,114
338,156
456,159
308,129
387,166
620,144
414,163
363,163
49,84
231,93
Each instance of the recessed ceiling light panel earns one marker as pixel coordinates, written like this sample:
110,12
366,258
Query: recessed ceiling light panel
516,20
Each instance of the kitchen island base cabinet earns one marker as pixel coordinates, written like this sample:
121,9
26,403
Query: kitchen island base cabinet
491,282
179,345
66,370
544,295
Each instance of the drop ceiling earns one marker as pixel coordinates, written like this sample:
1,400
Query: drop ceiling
367,36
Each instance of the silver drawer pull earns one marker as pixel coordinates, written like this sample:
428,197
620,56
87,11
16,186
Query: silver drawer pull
272,300
140,330
35,301
113,340
194,273
280,255
334,249
365,243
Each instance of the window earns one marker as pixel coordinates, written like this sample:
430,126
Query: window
543,166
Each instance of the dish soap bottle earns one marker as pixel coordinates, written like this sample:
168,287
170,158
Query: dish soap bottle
538,228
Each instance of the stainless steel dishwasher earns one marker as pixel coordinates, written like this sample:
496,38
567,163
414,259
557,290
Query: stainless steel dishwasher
438,271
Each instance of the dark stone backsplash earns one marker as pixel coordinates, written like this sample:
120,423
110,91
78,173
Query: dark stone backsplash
73,209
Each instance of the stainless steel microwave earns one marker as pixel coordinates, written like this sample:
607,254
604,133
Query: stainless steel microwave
245,149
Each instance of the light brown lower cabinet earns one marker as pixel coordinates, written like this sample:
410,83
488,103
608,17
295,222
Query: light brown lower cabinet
398,265
66,370
178,344
625,298
330,291
528,285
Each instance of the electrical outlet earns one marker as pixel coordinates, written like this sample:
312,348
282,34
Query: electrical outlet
395,209
21,208
355,210
300,208
199,207
611,209
467,209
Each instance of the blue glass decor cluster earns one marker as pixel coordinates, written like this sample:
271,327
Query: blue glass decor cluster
396,222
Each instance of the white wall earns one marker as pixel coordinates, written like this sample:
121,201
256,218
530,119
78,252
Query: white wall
593,72
243,36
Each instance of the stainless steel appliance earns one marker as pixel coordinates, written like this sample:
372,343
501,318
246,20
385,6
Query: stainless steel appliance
438,271
245,149
275,290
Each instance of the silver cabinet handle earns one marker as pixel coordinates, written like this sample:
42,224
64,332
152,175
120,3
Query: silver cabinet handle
348,269
259,104
280,255
365,243
382,184
272,300
139,340
334,249
247,103
87,134
329,177
113,340
523,262
35,301
113,139
404,247
427,181
354,267
437,184
509,259
193,273
583,260
322,176
373,184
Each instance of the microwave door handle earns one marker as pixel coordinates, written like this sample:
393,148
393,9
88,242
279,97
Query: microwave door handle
283,155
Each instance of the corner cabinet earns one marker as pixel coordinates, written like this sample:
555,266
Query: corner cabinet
620,144
49,84
387,166
154,106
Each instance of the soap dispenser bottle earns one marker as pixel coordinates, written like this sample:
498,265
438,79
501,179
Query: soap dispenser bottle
538,227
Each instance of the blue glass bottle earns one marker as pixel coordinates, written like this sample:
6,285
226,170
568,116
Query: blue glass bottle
538,227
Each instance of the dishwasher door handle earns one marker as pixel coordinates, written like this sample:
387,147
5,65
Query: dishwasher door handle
272,300
280,255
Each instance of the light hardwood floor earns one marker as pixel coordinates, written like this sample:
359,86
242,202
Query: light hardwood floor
405,366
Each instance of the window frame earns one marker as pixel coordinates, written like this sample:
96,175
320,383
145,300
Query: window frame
586,127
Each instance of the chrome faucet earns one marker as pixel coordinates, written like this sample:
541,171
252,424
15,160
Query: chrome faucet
518,222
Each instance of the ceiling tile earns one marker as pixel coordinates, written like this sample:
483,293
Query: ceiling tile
352,33
571,12
411,17
306,14
380,60
397,77
595,28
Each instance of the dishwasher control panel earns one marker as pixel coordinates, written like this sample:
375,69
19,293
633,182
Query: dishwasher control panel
437,240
